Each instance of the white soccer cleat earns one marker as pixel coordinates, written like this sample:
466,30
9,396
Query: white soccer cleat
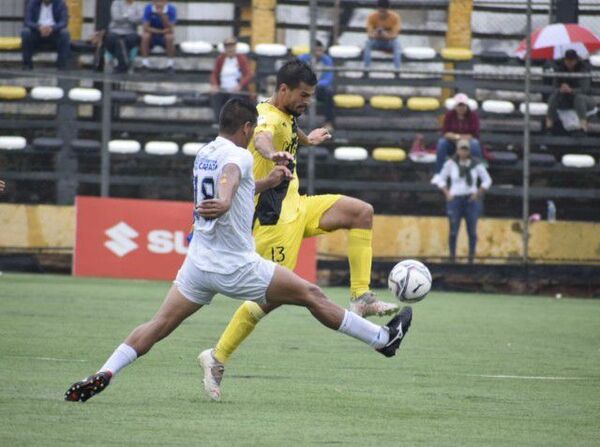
213,374
368,305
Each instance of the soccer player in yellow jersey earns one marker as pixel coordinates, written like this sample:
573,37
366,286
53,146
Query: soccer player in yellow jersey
283,217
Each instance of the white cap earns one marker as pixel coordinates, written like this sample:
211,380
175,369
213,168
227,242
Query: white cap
461,98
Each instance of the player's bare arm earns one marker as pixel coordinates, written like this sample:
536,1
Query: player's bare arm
317,136
275,177
263,142
228,185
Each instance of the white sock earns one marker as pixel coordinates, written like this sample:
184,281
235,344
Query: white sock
123,356
145,62
170,62
362,329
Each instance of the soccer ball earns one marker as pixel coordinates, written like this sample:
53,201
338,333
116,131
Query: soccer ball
410,281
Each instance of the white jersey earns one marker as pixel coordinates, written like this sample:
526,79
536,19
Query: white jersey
225,244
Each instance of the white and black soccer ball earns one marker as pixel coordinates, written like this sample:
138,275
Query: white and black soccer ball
410,281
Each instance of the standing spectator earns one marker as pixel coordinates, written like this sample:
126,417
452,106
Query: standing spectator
122,37
159,30
230,77
459,123
325,87
570,93
463,198
46,24
383,27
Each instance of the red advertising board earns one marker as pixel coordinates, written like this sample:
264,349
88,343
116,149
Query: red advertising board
144,239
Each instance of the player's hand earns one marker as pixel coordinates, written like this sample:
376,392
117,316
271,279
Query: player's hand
448,196
317,136
278,175
281,158
474,197
213,208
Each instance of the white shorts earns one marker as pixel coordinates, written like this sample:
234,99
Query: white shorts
249,282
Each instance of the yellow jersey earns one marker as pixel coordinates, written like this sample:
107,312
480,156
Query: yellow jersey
280,204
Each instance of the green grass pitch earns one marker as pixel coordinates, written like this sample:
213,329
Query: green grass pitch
478,370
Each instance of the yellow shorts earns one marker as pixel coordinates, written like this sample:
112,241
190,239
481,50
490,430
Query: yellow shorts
281,243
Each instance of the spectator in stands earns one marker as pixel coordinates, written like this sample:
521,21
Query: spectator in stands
2,185
459,123
463,198
325,87
46,24
230,77
570,92
383,27
122,37
159,30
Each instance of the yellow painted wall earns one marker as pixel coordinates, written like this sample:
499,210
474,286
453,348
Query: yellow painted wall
427,237
458,33
75,18
263,21
39,226
47,226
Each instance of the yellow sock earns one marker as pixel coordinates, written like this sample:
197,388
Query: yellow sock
240,326
360,257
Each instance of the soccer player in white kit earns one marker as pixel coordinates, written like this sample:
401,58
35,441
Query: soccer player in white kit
222,258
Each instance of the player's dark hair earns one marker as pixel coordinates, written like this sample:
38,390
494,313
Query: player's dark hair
293,72
235,113
319,44
383,4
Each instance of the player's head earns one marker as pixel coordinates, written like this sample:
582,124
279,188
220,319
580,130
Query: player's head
238,119
295,86
159,3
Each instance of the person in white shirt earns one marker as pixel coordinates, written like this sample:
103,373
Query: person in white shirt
469,180
45,24
222,257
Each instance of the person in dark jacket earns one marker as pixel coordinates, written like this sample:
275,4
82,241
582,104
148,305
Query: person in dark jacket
570,93
45,25
230,77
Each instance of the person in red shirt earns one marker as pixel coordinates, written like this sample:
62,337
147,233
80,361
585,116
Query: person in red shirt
230,77
459,123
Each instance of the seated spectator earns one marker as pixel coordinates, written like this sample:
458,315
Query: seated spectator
122,36
45,25
570,93
325,87
230,77
463,198
159,30
459,123
383,27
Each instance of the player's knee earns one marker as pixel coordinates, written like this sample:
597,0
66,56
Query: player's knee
364,217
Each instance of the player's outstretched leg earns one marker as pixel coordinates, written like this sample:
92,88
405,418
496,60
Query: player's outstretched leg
172,312
288,288
357,216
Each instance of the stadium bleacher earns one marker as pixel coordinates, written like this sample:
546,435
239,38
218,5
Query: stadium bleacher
60,120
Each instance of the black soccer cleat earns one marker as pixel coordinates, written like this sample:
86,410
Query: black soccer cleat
397,327
88,387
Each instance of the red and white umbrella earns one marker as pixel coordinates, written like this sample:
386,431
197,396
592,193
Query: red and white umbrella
551,41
